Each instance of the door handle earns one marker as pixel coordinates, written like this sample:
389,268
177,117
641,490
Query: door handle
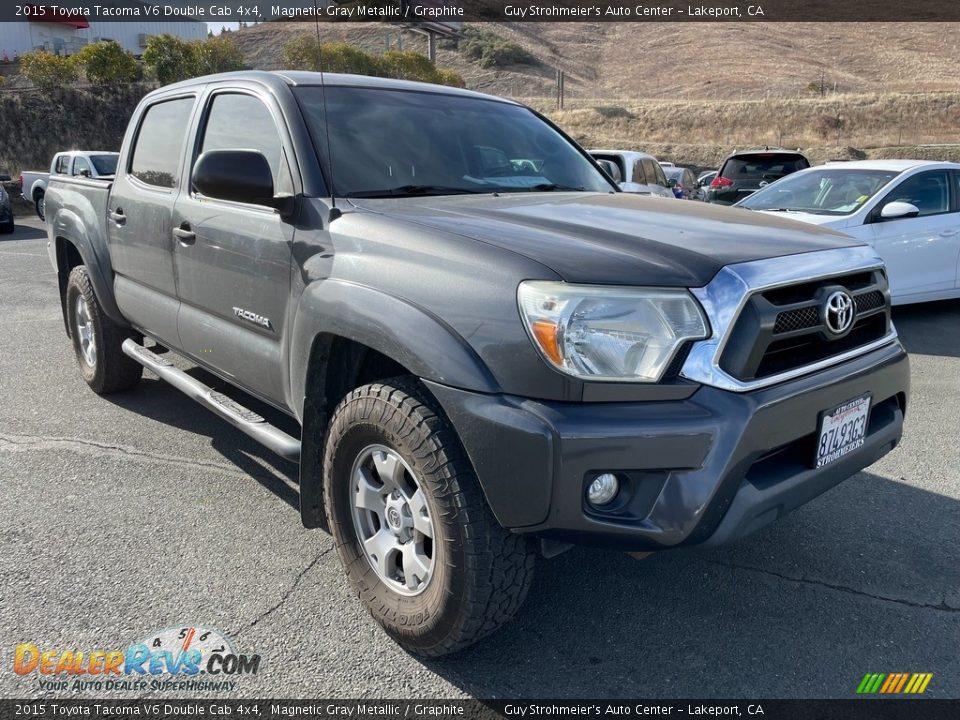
184,234
949,233
118,217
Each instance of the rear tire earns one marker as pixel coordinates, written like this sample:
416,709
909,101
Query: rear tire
477,574
97,339
40,203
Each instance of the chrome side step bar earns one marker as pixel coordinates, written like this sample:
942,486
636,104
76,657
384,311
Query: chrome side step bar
242,418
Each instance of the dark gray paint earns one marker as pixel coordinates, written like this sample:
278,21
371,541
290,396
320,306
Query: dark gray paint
432,283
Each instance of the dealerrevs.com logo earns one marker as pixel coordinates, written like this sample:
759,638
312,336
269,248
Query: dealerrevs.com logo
175,659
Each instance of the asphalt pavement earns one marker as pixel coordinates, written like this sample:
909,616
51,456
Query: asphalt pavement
142,511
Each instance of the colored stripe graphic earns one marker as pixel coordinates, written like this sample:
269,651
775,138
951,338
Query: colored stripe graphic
894,683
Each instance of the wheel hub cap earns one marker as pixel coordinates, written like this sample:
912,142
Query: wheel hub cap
85,337
392,520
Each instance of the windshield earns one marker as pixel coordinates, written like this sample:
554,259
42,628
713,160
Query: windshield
105,164
673,173
823,192
397,143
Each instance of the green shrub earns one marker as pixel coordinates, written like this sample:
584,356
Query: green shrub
407,65
450,77
170,59
303,53
217,55
106,63
490,51
47,70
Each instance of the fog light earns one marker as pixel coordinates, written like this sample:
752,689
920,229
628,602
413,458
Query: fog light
603,489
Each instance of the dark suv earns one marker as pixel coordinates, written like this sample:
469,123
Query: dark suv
746,172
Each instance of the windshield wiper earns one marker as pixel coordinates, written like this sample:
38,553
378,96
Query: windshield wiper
408,190
550,187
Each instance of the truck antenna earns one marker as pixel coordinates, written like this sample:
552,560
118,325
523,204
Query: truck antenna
334,210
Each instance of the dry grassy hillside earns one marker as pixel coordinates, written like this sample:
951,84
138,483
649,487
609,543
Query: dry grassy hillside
627,61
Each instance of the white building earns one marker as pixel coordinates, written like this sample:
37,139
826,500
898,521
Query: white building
67,37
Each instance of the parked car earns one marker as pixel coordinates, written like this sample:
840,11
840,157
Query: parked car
665,164
746,172
705,179
6,211
484,359
636,172
908,210
684,183
77,163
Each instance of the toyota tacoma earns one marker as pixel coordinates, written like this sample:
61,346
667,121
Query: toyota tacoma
490,351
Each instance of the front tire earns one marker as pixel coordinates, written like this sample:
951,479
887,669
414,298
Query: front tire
418,542
7,228
97,339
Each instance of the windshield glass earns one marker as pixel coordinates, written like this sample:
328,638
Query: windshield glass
397,142
105,164
823,192
673,173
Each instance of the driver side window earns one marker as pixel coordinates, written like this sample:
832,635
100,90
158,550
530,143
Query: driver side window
79,165
929,192
257,131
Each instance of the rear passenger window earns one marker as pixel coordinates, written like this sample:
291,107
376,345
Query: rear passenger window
163,131
242,122
62,162
638,176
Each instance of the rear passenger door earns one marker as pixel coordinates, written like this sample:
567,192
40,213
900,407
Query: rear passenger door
233,259
139,216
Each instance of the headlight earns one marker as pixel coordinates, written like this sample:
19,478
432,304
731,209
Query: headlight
599,332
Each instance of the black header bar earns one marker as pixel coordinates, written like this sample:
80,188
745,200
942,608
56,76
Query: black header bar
458,11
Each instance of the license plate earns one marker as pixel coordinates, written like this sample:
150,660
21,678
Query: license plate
842,430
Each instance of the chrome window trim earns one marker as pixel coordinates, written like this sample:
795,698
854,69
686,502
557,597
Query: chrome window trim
724,297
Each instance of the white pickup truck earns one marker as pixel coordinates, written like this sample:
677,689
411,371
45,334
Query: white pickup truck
76,163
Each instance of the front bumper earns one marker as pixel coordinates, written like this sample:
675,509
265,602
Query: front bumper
708,469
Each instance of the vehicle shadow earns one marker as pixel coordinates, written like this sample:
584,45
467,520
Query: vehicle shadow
924,327
157,400
865,576
24,232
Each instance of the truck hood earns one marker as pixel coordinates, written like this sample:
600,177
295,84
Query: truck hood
614,238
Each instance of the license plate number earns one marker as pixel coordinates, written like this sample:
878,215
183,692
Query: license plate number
842,430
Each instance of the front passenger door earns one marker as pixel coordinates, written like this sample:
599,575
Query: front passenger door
233,259
920,252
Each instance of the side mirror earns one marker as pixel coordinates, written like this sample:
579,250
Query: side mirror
899,209
671,183
242,176
611,169
84,173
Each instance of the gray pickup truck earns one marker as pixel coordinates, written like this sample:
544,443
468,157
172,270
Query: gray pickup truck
490,351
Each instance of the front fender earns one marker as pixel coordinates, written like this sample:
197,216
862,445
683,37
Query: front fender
83,229
404,332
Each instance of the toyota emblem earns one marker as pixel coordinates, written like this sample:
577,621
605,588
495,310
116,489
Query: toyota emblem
838,312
